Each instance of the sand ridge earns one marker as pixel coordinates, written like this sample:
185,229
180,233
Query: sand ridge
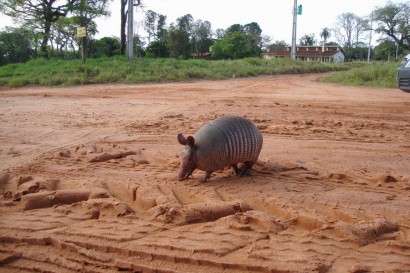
88,177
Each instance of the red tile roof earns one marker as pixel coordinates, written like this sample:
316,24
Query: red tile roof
303,52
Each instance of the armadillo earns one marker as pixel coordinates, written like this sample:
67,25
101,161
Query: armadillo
222,142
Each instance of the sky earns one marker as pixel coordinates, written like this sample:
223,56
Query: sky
273,16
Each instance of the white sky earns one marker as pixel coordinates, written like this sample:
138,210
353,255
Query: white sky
273,16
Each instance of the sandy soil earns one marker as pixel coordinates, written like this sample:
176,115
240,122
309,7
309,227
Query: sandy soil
88,177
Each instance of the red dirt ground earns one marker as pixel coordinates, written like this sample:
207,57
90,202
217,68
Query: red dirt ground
88,177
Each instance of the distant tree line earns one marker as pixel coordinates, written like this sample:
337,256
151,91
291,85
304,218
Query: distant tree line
189,38
47,28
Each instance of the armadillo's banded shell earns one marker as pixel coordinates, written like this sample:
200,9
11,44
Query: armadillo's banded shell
225,141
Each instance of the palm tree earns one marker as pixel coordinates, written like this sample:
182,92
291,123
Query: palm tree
325,34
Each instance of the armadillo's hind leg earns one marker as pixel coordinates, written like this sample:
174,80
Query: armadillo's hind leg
206,176
246,170
235,169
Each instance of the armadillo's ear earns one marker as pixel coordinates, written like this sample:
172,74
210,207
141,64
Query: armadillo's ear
190,141
181,139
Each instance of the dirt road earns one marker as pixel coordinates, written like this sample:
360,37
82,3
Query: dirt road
89,179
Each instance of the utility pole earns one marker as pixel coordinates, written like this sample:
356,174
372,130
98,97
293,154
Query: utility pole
130,34
293,49
83,34
297,10
370,38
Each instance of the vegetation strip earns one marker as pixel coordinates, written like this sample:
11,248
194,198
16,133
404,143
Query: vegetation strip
42,72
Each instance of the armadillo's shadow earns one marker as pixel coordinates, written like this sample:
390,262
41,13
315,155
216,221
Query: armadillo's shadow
261,173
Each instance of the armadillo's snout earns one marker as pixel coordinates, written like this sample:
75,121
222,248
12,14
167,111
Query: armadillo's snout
186,164
183,172
184,175
181,177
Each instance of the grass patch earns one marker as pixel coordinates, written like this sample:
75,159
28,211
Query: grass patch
119,70
375,74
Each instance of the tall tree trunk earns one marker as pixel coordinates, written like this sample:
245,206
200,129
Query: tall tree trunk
46,36
123,24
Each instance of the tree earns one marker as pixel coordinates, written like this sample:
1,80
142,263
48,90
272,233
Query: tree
185,23
344,29
46,12
234,28
332,44
278,46
217,50
150,24
393,21
36,35
325,34
220,33
265,42
161,28
154,25
349,31
138,46
157,49
361,32
235,45
386,50
238,42
253,29
15,46
308,40
123,31
106,46
201,36
360,51
178,43
84,13
63,39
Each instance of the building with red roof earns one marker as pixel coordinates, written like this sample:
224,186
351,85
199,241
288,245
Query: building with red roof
328,54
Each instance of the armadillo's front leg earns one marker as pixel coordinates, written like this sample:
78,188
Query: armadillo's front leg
206,176
189,173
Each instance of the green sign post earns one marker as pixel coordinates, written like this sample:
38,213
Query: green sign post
299,10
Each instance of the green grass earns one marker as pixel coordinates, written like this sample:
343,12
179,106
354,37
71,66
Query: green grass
376,74
119,70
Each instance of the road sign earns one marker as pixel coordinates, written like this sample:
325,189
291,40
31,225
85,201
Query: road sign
81,32
299,10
